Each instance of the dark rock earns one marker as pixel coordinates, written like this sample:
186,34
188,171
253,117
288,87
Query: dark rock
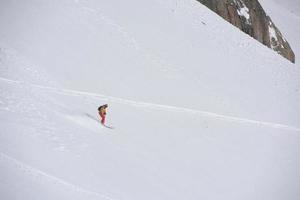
250,17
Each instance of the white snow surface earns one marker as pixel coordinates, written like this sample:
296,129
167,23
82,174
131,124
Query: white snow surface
200,109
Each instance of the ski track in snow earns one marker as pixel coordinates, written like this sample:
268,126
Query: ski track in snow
31,171
157,106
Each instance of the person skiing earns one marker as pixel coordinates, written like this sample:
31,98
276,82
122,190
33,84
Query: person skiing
102,113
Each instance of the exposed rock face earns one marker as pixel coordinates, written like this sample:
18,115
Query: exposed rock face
250,17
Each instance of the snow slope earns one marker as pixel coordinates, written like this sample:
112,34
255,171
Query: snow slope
201,110
290,5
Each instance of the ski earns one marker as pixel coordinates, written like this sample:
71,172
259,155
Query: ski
110,127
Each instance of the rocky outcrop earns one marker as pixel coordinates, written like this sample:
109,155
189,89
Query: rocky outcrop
250,17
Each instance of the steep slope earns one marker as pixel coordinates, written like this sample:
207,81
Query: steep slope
187,125
103,48
52,147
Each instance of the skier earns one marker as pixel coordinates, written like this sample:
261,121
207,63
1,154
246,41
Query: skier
102,112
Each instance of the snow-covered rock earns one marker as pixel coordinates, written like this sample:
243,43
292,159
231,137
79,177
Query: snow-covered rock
250,17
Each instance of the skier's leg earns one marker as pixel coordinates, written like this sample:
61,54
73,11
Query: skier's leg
102,118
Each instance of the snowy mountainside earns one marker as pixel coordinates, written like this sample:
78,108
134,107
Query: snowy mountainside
195,116
251,18
104,48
